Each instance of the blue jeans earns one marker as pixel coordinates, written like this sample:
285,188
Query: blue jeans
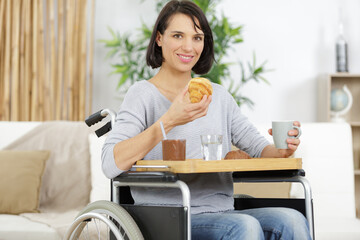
253,224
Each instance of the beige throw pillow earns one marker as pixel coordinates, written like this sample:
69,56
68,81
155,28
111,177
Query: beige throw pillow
20,180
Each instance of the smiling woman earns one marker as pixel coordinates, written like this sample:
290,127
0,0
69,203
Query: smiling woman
191,25
127,49
182,43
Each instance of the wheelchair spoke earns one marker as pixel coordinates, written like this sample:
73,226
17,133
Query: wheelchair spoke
87,231
97,229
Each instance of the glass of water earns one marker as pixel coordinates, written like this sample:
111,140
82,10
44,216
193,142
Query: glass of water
211,147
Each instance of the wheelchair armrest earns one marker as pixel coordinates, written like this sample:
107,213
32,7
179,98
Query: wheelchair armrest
132,176
269,174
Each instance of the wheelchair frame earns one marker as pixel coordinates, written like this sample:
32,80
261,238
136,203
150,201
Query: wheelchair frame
170,180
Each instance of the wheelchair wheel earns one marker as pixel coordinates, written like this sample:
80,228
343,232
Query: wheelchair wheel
104,220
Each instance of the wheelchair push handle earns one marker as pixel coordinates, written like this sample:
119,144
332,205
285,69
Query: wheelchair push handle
97,117
94,118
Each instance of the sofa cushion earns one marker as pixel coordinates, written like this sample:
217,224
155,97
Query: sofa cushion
10,131
15,227
59,221
21,173
66,179
326,150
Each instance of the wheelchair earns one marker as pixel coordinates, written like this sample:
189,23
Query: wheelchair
121,219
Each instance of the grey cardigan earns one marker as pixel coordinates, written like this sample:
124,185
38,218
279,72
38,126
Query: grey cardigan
210,192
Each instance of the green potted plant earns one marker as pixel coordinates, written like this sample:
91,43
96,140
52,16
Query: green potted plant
226,35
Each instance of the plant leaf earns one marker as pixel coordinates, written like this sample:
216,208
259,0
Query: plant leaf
123,79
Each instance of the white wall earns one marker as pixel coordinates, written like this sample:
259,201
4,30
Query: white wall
297,38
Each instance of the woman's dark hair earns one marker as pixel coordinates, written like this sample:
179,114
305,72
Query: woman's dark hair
154,56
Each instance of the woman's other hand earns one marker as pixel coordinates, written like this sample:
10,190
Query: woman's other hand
293,143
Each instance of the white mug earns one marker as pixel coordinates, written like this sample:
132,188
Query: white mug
280,131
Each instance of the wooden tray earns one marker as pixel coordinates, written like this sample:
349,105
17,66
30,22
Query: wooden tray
234,165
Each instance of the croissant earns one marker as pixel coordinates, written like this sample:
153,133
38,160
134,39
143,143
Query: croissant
237,154
198,87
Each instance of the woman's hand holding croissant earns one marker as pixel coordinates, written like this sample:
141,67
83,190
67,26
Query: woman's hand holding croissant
183,111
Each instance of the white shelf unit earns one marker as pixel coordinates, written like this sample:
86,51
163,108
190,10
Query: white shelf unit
352,81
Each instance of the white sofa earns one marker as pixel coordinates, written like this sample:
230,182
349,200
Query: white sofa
326,150
327,155
70,179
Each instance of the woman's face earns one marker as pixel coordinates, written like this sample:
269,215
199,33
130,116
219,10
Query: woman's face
181,44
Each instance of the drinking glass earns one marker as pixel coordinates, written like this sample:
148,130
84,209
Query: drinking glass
211,147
